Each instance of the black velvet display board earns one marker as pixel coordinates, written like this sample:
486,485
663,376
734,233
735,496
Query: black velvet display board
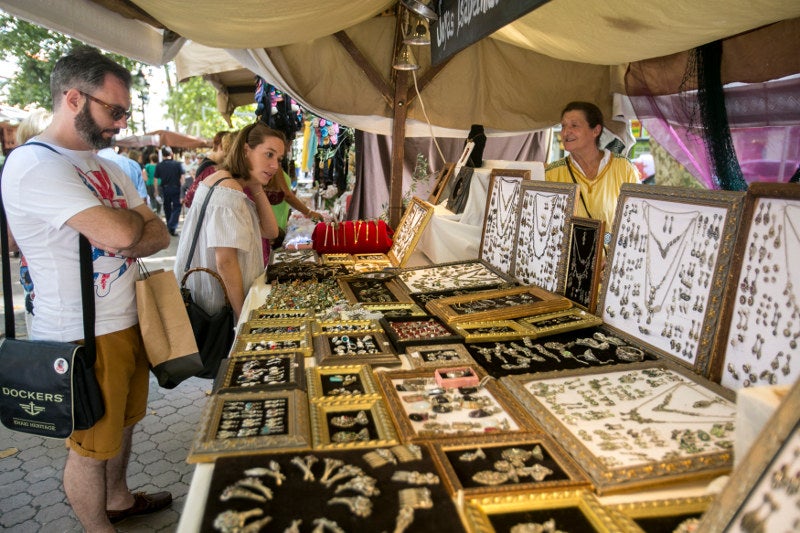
465,470
566,519
424,297
302,271
296,499
498,358
443,333
664,524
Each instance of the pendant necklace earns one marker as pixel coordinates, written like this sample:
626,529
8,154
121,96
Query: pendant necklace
581,267
505,209
651,287
541,220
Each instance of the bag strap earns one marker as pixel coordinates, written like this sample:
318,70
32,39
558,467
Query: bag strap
87,279
199,225
580,193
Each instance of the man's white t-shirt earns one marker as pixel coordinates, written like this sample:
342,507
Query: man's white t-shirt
41,191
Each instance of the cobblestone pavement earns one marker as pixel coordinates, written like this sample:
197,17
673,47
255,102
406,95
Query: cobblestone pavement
31,493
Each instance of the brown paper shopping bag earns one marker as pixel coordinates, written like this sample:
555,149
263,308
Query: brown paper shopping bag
166,331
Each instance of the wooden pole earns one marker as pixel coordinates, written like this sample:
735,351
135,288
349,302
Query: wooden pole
398,148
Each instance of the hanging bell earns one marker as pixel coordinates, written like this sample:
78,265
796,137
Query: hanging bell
405,60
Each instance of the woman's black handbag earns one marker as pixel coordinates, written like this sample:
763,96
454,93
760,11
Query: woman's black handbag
49,388
213,333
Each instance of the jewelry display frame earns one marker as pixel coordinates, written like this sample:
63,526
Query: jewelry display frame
477,511
394,309
327,327
743,333
497,223
317,390
545,302
283,326
325,356
691,344
302,255
400,345
471,331
416,358
482,275
442,178
757,474
575,478
304,340
537,330
207,448
409,230
346,283
569,288
607,478
337,259
288,509
548,269
628,513
321,432
407,428
230,369
278,314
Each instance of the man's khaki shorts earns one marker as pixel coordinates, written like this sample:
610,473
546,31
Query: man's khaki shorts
123,374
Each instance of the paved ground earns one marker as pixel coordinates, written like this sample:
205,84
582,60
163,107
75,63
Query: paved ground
31,495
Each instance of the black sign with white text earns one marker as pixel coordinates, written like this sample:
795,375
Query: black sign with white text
463,22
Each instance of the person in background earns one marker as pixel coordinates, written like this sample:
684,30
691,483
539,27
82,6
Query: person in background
29,127
219,147
169,174
52,194
229,240
150,182
189,169
599,173
280,195
129,166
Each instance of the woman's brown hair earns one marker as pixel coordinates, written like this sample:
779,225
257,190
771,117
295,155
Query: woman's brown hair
235,160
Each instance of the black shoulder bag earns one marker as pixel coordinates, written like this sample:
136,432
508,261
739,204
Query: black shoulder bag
49,388
213,333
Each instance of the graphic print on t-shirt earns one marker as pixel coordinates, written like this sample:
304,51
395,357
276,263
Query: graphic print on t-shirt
108,267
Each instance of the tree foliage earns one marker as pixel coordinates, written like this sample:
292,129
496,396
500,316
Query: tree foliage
191,106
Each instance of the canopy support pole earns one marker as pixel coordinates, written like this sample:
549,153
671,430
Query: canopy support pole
398,148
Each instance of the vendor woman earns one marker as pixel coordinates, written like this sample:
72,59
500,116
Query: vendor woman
598,172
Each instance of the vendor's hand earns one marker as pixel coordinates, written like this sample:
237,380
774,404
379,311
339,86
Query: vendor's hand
315,216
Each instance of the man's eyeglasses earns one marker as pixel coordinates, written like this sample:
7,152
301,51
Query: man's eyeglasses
117,112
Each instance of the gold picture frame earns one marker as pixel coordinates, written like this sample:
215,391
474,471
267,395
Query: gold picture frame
497,247
335,383
275,326
325,353
470,274
505,415
409,230
670,513
509,465
540,240
760,494
302,255
633,425
338,259
335,327
492,330
293,434
584,259
438,355
559,322
579,508
667,269
367,424
497,304
397,309
359,289
261,372
245,345
759,311
280,314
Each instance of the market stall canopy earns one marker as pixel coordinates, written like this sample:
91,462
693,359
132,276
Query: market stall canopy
164,138
516,80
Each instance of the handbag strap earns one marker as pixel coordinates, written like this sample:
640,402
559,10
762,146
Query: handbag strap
199,225
87,279
580,193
